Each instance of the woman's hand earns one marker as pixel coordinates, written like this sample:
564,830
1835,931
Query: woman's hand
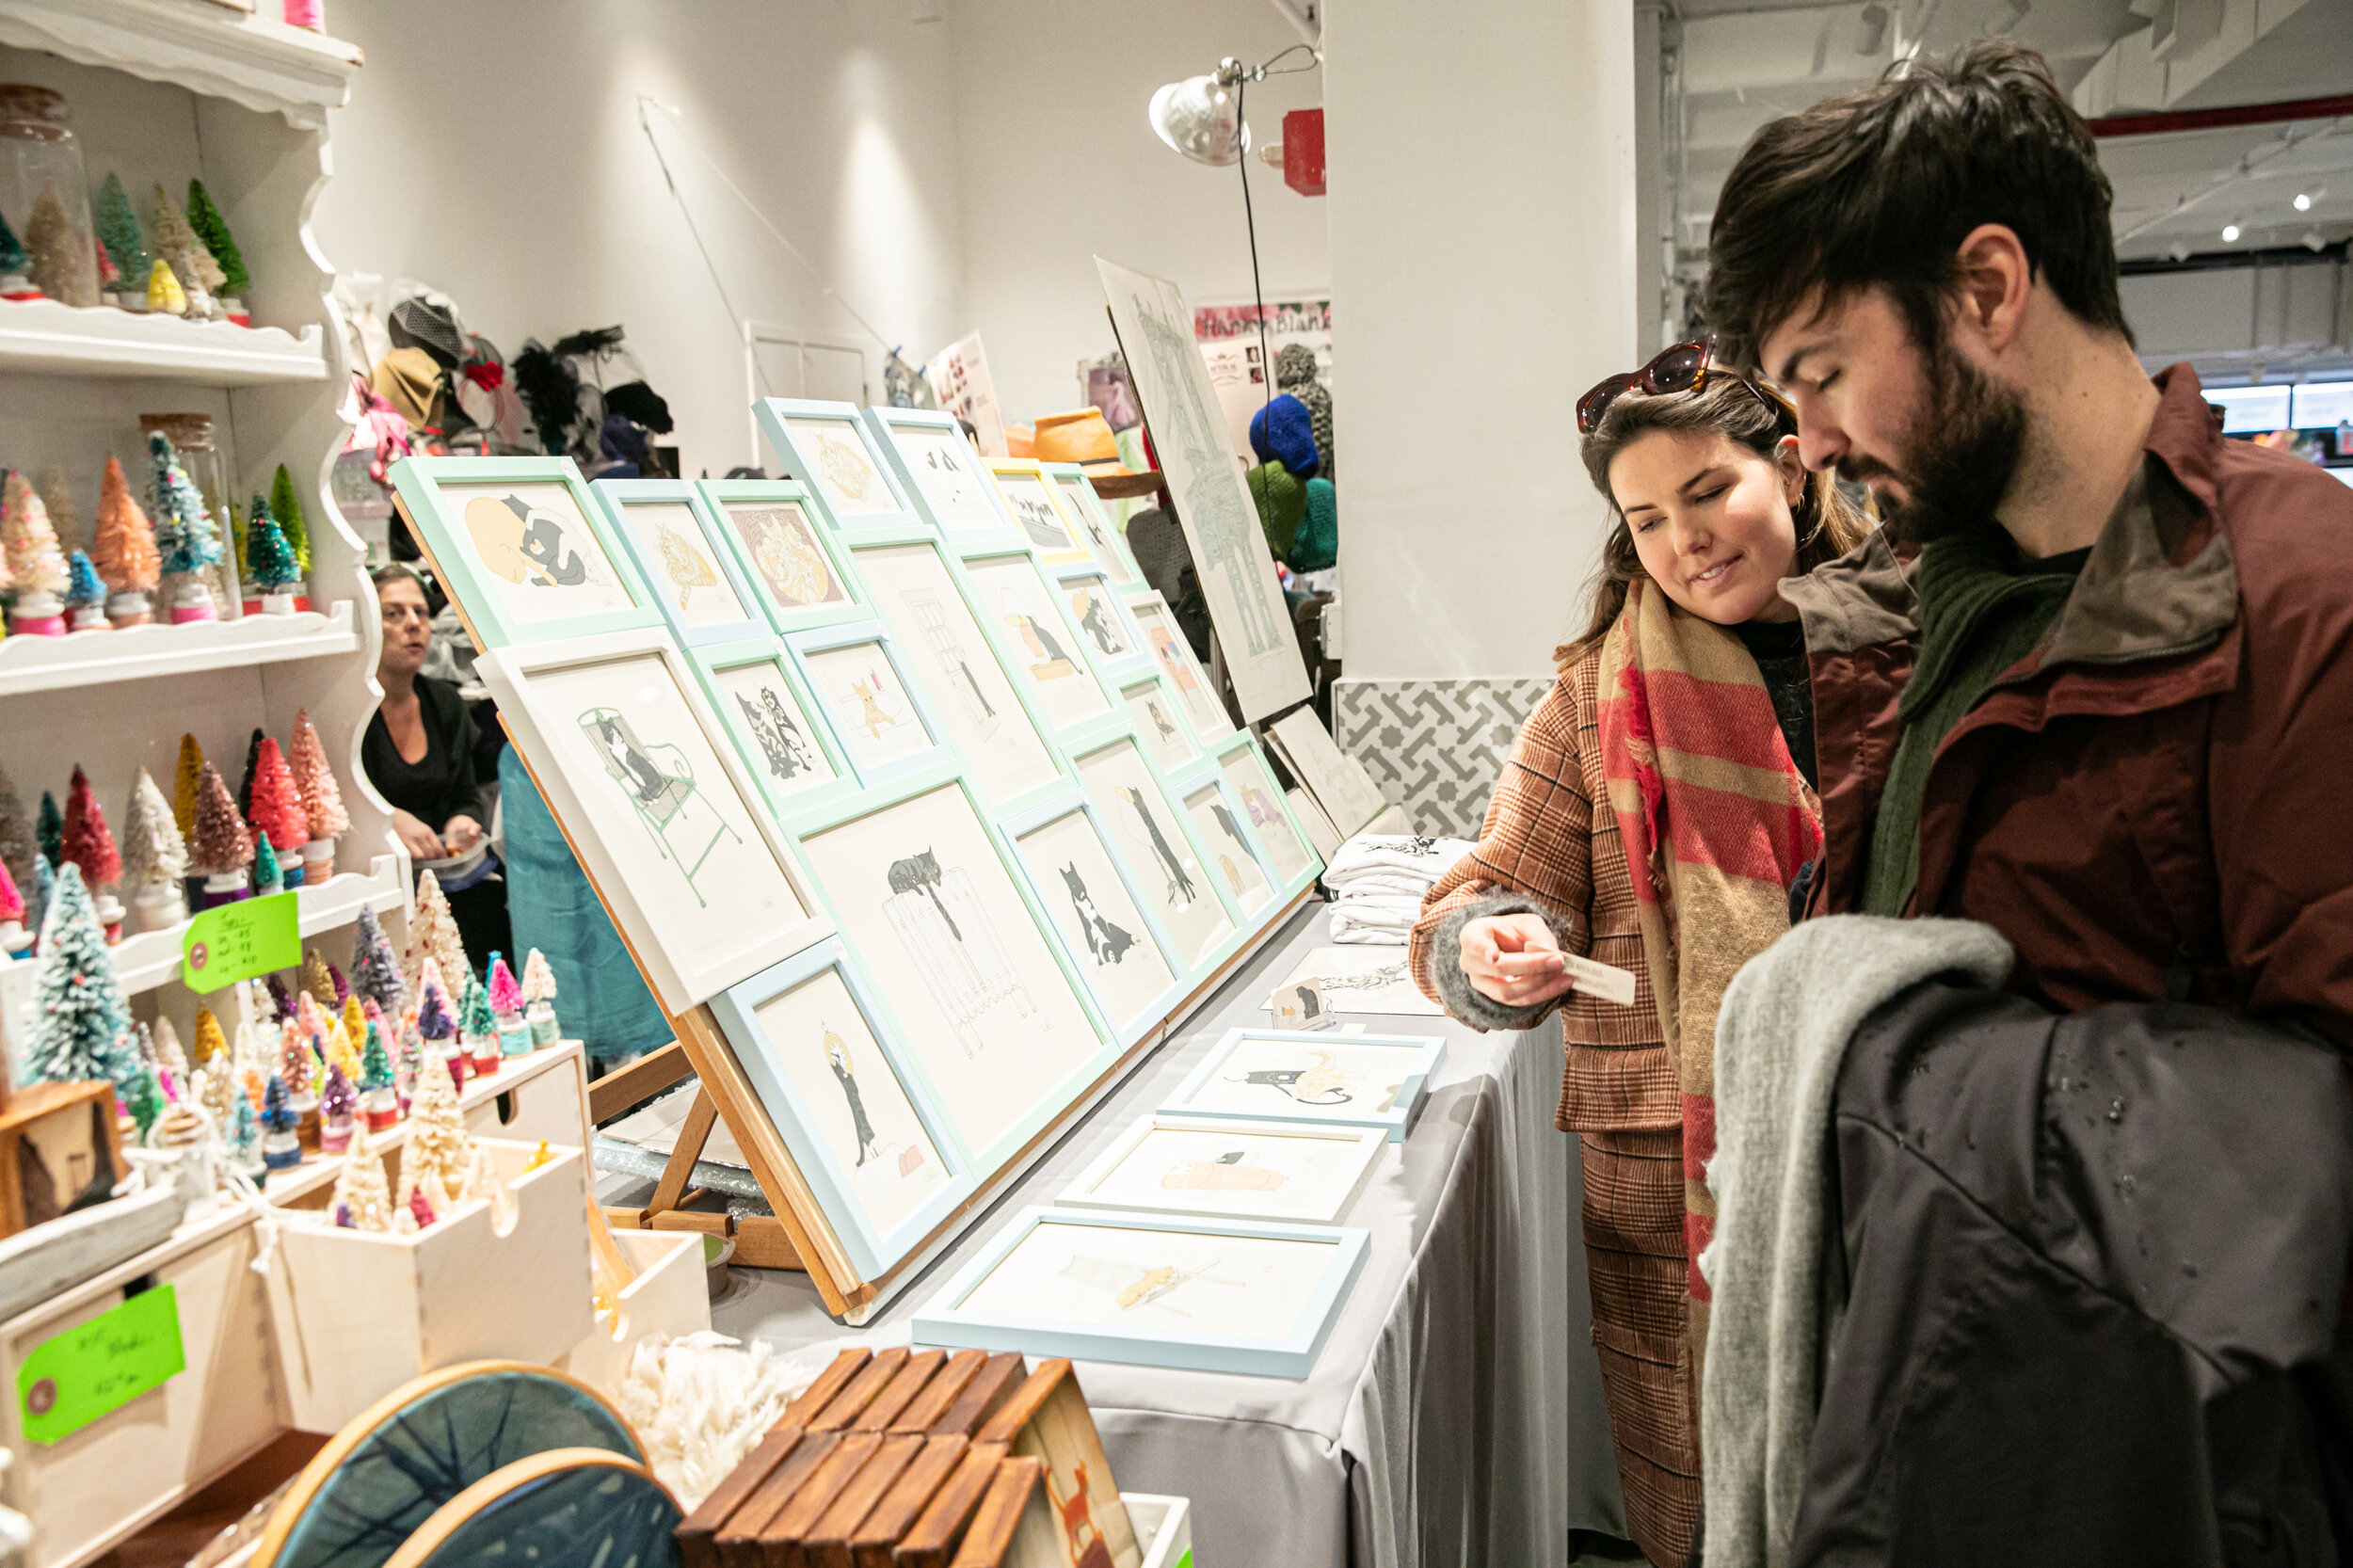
461,833
417,840
1513,959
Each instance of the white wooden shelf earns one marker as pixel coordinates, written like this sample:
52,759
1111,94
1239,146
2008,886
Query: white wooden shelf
247,58
46,337
141,653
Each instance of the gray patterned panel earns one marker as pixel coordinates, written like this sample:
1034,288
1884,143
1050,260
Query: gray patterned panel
1436,747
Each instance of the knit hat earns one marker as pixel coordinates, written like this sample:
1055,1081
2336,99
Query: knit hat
1317,545
1295,366
1282,501
1284,432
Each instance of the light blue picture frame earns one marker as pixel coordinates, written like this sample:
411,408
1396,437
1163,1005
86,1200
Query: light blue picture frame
974,562
943,1321
822,639
1171,711
1423,1055
800,431
1240,932
714,659
1120,668
985,1161
1012,826
888,425
737,1010
1242,742
428,487
1098,532
1190,780
618,495
725,495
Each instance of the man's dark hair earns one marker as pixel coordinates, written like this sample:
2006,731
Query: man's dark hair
1881,187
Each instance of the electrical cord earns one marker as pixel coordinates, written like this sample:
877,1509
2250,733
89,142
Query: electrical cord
1257,292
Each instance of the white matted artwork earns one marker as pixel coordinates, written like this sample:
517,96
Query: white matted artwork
1292,1173
1363,980
791,755
1132,800
840,467
1238,578
1045,649
987,1012
874,715
643,779
1339,781
1081,504
950,476
679,563
1321,833
1227,847
1157,722
1183,672
1290,1075
544,561
818,1038
786,563
1095,609
943,646
1290,858
1088,900
1036,514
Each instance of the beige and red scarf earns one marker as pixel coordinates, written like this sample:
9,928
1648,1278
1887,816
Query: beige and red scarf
1715,821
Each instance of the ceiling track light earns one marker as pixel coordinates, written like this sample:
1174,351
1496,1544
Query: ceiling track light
2303,202
2230,233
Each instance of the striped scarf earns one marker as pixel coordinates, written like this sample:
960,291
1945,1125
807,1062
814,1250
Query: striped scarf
1716,823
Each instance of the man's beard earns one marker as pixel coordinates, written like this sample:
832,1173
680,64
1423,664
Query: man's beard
1959,456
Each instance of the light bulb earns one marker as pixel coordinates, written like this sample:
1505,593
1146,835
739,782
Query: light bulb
2230,233
2303,201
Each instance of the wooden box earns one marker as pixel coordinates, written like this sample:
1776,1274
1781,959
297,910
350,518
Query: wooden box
1164,1525
670,1296
55,1138
541,1094
357,1314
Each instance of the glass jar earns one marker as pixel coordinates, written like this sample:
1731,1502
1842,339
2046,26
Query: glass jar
44,194
194,439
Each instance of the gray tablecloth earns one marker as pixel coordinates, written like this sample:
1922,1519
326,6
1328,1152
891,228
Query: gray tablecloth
1455,1415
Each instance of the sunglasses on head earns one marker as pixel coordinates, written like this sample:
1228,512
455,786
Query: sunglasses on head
1686,367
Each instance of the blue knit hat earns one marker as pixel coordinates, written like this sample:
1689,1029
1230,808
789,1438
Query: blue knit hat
1284,432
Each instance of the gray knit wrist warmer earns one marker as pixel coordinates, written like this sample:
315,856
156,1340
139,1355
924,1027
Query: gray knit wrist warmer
1466,1000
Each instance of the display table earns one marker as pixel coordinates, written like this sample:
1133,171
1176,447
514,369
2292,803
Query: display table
1455,1415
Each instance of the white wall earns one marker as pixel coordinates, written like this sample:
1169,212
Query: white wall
1482,220
1057,164
494,152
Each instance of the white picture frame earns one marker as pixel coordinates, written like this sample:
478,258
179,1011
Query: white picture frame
653,796
1110,638
1283,1173
1274,1075
1205,1295
1339,782
1037,514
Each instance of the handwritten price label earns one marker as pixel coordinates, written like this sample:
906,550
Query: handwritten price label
70,1381
238,941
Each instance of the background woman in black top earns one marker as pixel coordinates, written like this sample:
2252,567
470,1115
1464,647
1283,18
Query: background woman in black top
418,751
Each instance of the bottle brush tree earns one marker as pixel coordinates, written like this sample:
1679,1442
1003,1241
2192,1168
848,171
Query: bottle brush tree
188,785
276,807
16,281
175,242
87,843
322,797
363,1200
153,855
52,829
374,974
213,230
81,1020
184,531
60,253
285,504
268,876
83,589
36,563
118,226
270,559
18,848
220,844
124,547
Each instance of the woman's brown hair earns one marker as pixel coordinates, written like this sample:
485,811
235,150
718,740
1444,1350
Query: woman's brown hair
1827,524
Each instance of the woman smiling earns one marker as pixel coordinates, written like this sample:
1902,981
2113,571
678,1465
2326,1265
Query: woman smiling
1654,814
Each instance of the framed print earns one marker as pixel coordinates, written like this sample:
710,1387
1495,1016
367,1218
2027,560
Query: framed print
1339,782
940,472
984,718
1118,950
1047,652
827,447
1377,1081
1029,498
1225,845
765,707
664,817
1153,841
1112,641
524,548
784,558
884,725
1083,507
666,526
1164,734
1178,668
925,896
1287,853
1208,1295
812,1037
1290,1173
1364,980
1321,833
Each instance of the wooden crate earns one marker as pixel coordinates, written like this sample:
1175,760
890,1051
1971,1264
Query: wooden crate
670,1296
544,1094
357,1315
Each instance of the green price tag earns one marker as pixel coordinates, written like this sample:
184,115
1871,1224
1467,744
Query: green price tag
70,1381
238,941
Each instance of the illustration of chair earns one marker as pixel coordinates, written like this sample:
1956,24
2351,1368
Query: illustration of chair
667,803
